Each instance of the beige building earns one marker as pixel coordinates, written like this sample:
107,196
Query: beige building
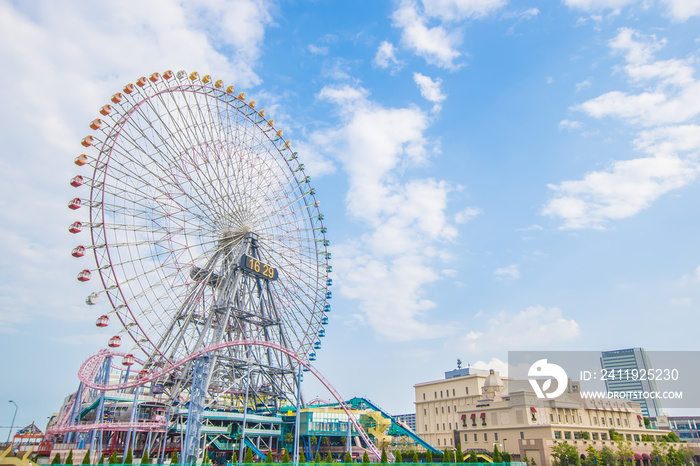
438,402
477,411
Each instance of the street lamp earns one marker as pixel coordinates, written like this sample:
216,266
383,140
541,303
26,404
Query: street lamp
13,422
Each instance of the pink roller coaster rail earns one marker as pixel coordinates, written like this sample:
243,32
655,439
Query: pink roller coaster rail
91,366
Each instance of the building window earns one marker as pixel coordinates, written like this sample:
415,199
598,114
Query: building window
576,435
424,396
436,410
567,435
636,437
566,417
475,439
611,422
450,440
474,420
595,420
557,434
443,426
453,392
438,442
618,421
595,436
425,412
486,437
559,417
450,425
603,436
467,390
443,410
437,426
522,435
495,436
448,409
455,408
466,438
440,393
426,428
551,417
602,420
628,436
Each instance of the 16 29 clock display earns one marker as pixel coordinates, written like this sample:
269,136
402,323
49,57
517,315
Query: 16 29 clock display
253,266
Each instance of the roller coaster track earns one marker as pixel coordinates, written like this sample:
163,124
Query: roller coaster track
89,369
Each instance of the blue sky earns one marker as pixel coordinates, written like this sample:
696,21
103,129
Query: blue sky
495,175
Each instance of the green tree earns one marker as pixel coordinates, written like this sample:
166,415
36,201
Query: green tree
146,460
398,458
565,455
56,459
607,456
592,456
113,458
269,458
365,458
624,451
329,457
415,457
532,462
614,436
302,456
129,457
234,458
526,460
496,454
429,457
685,455
584,435
459,456
505,456
285,457
384,459
317,458
86,458
101,461
348,457
472,457
248,456
69,458
447,456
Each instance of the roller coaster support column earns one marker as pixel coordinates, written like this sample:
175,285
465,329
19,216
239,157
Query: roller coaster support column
129,441
161,455
198,393
99,414
245,410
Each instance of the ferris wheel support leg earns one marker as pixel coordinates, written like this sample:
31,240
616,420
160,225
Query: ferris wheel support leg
245,411
193,429
297,419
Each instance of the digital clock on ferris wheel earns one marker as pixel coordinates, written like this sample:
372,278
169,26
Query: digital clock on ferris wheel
253,266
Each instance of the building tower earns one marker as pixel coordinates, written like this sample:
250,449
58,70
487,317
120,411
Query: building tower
623,362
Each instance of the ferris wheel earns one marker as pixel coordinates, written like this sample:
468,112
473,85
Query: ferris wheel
204,229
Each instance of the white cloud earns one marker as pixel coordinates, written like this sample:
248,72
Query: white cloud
459,10
511,272
535,327
386,56
318,50
682,10
437,45
388,267
570,124
623,190
680,301
583,84
430,90
530,228
467,214
501,367
594,5
670,142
